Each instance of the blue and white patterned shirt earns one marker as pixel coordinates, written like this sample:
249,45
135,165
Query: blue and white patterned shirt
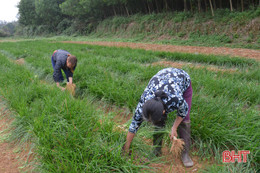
173,82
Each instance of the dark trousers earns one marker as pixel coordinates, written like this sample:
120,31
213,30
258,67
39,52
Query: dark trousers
187,95
61,78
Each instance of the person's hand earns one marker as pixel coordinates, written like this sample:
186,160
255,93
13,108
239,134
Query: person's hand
173,133
62,88
126,147
126,151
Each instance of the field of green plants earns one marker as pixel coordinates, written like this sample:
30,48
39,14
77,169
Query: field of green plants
70,134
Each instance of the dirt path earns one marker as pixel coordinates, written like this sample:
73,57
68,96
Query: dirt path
12,158
233,52
9,162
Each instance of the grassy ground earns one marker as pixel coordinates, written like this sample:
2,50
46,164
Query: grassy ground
66,133
224,112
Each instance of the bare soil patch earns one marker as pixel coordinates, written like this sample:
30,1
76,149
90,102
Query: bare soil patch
12,159
20,61
8,159
233,52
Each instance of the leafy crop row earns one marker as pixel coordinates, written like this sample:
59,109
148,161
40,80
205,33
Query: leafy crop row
66,133
225,105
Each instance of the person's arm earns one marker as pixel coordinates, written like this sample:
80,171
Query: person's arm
70,74
58,85
134,126
181,114
175,126
129,139
70,80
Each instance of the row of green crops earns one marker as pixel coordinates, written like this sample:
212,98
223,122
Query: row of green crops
225,110
66,133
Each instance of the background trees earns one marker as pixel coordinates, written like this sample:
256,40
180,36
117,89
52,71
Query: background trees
27,15
7,29
77,15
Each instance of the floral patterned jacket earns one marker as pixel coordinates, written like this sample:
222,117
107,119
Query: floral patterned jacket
173,82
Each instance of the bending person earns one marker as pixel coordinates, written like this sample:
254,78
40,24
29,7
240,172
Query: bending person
62,59
170,89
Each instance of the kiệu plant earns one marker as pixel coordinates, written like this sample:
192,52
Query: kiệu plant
225,105
66,133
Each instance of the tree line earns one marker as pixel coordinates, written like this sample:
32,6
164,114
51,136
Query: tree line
7,28
59,15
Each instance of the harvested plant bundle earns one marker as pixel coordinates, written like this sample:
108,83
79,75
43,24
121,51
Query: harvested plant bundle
177,146
71,88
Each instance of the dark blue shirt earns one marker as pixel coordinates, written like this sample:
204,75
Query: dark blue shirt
60,59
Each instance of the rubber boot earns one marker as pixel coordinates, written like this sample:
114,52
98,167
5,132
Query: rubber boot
184,133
